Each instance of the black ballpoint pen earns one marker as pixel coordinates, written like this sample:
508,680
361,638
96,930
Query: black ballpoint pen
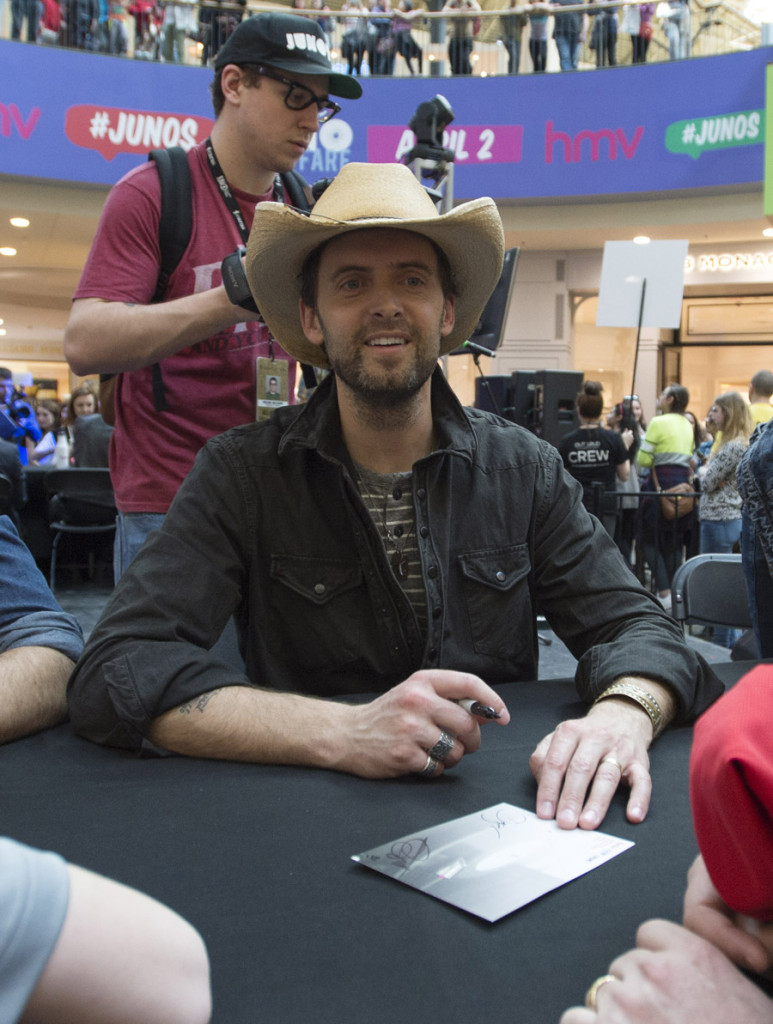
476,708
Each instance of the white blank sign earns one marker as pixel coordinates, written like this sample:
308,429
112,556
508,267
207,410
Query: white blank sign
625,267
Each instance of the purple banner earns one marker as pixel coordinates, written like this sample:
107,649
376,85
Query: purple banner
615,131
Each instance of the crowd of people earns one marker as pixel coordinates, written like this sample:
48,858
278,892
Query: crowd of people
626,466
162,30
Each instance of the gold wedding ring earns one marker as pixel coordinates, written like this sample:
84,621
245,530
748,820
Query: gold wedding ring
592,993
615,762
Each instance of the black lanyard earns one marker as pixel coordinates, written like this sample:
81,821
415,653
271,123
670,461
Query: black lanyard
233,207
228,197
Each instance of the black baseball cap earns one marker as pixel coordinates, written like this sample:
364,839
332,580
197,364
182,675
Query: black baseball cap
289,43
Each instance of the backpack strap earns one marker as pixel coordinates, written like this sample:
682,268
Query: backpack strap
176,222
174,232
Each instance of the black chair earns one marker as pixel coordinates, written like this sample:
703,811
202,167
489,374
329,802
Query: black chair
711,590
81,502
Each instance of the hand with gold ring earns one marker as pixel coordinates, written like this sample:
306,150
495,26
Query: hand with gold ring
672,977
580,765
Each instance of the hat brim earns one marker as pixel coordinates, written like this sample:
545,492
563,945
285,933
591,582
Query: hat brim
344,86
281,239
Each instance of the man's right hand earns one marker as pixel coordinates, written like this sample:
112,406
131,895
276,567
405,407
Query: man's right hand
392,734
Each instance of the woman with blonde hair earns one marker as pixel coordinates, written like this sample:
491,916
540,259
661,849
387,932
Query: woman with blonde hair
720,502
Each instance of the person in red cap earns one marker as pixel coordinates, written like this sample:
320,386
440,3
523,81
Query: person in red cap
271,92
679,975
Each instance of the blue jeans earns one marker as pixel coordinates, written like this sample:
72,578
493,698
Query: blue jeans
718,538
131,529
568,51
759,587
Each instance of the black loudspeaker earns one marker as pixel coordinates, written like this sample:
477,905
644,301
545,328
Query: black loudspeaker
492,394
555,393
522,394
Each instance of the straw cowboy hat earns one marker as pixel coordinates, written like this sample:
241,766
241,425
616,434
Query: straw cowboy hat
370,196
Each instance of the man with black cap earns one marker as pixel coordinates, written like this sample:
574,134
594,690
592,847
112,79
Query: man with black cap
381,538
273,79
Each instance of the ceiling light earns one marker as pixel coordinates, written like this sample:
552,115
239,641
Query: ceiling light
767,232
7,251
641,240
2,332
20,222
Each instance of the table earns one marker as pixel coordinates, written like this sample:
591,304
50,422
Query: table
257,858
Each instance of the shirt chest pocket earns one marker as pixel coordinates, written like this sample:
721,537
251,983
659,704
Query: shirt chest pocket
319,580
319,602
495,585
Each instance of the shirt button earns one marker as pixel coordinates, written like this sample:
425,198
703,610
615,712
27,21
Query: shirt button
424,531
436,613
501,576
397,494
432,572
421,493
319,588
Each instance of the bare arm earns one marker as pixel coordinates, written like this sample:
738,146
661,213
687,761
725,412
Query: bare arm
108,337
33,681
387,737
120,958
624,469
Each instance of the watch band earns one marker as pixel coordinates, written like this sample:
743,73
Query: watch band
235,281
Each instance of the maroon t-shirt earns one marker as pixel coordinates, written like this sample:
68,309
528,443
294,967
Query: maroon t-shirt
210,386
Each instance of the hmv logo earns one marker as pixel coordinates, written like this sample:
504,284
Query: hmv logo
306,41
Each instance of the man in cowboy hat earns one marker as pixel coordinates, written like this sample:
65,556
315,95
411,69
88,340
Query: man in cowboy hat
382,538
186,354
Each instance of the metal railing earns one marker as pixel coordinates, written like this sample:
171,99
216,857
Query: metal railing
191,33
677,539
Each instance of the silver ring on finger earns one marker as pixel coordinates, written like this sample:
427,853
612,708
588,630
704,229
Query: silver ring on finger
615,762
429,769
442,748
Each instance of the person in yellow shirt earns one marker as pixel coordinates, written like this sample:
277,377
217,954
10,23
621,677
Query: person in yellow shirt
760,391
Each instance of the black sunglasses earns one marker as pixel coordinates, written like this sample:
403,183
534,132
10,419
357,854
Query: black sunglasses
298,96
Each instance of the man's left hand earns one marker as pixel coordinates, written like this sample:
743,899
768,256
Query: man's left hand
580,765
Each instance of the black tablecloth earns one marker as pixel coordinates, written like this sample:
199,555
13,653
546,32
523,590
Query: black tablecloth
257,858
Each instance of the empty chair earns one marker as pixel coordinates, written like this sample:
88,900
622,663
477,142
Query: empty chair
711,590
81,502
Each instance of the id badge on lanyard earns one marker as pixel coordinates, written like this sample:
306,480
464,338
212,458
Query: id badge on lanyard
273,386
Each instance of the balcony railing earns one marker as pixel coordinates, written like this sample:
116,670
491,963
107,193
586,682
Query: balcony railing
190,33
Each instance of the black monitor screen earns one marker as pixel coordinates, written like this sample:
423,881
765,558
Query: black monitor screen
491,326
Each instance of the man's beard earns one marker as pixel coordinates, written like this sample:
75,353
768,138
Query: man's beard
383,390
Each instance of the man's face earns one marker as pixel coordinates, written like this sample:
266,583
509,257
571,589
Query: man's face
380,312
6,390
665,400
273,136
